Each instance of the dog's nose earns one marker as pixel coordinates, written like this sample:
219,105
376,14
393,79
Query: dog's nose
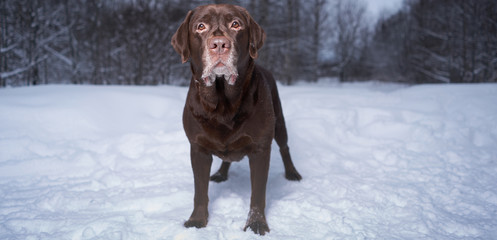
219,45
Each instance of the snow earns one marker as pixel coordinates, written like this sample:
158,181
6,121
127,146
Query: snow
378,160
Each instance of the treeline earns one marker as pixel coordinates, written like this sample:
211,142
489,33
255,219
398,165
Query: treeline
127,41
88,42
450,41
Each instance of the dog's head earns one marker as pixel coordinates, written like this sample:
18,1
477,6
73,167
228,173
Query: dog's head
220,40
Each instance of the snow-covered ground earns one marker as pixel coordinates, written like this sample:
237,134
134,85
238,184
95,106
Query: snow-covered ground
378,161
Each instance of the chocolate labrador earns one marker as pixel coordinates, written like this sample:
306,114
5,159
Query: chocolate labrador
232,108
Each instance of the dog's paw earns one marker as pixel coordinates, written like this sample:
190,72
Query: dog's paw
198,218
257,222
258,227
293,175
195,223
218,177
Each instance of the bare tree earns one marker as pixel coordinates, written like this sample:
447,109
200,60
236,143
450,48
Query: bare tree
319,18
349,21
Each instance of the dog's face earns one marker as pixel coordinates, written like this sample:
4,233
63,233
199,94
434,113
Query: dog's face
219,39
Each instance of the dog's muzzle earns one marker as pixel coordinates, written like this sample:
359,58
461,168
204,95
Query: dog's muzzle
219,61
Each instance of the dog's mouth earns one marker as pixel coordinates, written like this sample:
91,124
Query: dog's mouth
219,66
219,70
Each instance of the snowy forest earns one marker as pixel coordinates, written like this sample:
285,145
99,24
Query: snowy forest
128,41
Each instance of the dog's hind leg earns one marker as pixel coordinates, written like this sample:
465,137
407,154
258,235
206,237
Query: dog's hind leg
222,174
281,137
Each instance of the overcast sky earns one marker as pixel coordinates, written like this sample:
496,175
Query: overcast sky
376,7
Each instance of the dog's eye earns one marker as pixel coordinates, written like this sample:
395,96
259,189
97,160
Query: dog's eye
201,27
235,25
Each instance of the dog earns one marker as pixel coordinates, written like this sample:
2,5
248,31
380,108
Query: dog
232,108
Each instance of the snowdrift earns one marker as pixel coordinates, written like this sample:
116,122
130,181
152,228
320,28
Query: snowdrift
378,161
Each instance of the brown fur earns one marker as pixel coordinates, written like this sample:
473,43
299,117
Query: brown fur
230,120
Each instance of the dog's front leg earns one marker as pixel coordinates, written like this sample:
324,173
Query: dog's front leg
259,168
201,165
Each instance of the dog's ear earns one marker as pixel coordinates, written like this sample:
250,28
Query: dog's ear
257,36
180,39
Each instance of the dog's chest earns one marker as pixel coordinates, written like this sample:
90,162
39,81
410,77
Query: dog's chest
229,149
